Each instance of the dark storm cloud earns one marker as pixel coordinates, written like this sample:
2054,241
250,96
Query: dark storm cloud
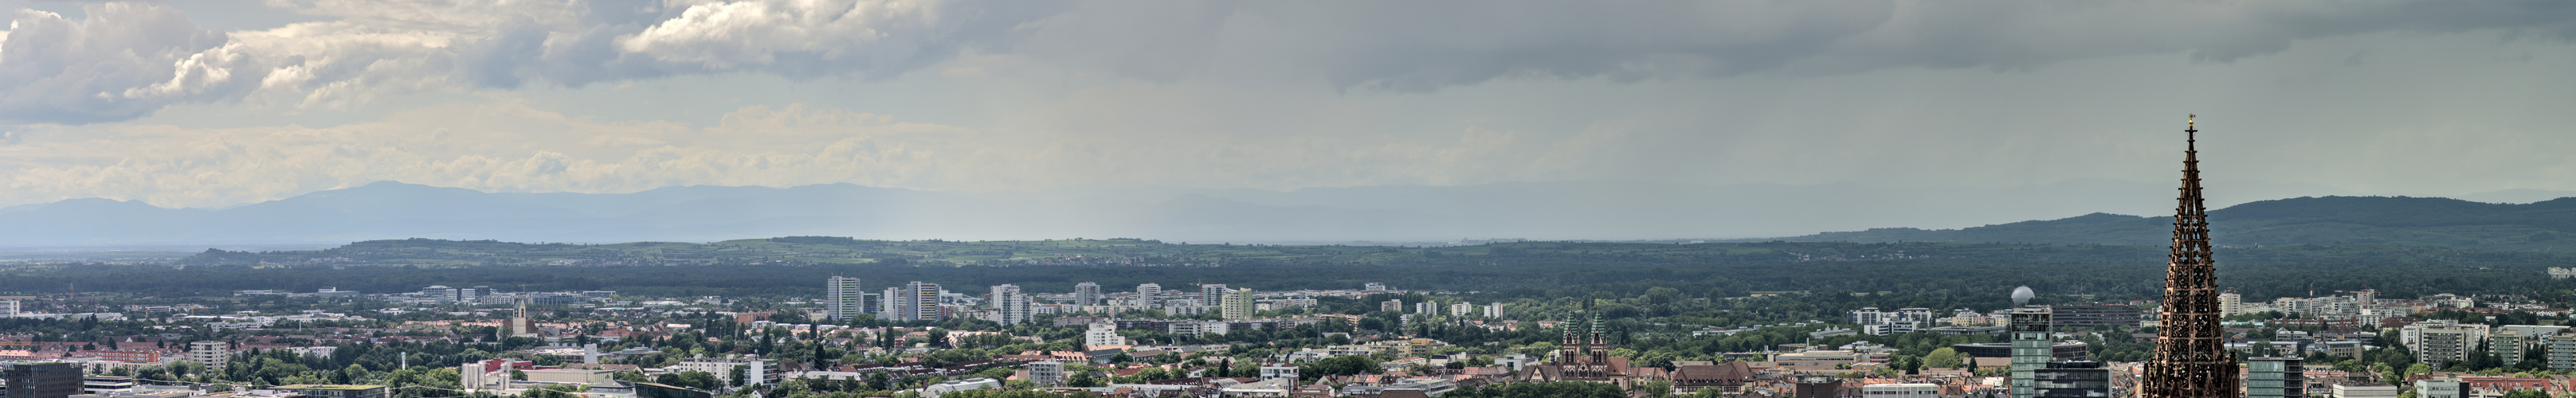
128,60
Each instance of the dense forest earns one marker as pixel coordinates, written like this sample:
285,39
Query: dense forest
1933,275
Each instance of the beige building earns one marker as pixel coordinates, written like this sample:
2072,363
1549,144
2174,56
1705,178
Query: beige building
1237,304
2443,341
2230,303
213,354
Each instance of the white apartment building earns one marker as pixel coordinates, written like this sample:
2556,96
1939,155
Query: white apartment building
916,301
1197,329
1149,295
1102,334
1047,373
1086,294
1903,320
1901,390
1011,303
1278,372
761,371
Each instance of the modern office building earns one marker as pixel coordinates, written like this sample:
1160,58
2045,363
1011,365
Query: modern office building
48,379
106,385
2072,379
843,299
2275,377
2030,349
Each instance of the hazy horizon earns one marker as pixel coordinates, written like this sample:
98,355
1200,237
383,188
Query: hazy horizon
1381,215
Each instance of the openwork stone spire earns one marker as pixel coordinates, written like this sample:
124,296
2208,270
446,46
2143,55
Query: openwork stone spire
2191,358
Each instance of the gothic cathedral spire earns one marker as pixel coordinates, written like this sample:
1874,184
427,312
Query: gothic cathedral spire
2191,359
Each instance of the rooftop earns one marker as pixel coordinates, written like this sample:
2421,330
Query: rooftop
326,387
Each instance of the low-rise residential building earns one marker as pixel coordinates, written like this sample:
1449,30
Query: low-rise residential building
336,390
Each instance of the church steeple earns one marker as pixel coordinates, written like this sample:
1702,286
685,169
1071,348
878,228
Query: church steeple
2191,358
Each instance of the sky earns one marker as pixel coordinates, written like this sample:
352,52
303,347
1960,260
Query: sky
223,102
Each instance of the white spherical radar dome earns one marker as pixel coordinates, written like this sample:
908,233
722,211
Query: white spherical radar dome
2021,296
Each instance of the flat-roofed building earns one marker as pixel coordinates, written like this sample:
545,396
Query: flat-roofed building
2442,342
2275,377
1901,390
336,390
50,379
213,354
2087,315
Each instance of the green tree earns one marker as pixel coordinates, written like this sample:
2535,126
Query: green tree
1944,357
1084,379
1335,366
1656,389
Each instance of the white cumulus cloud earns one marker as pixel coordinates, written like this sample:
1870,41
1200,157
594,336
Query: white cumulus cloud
122,62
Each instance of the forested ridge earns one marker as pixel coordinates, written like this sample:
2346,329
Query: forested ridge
1939,274
2408,221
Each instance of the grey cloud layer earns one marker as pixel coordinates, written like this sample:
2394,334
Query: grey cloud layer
121,63
128,60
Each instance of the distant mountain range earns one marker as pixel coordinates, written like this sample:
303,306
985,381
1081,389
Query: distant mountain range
2540,226
1583,210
